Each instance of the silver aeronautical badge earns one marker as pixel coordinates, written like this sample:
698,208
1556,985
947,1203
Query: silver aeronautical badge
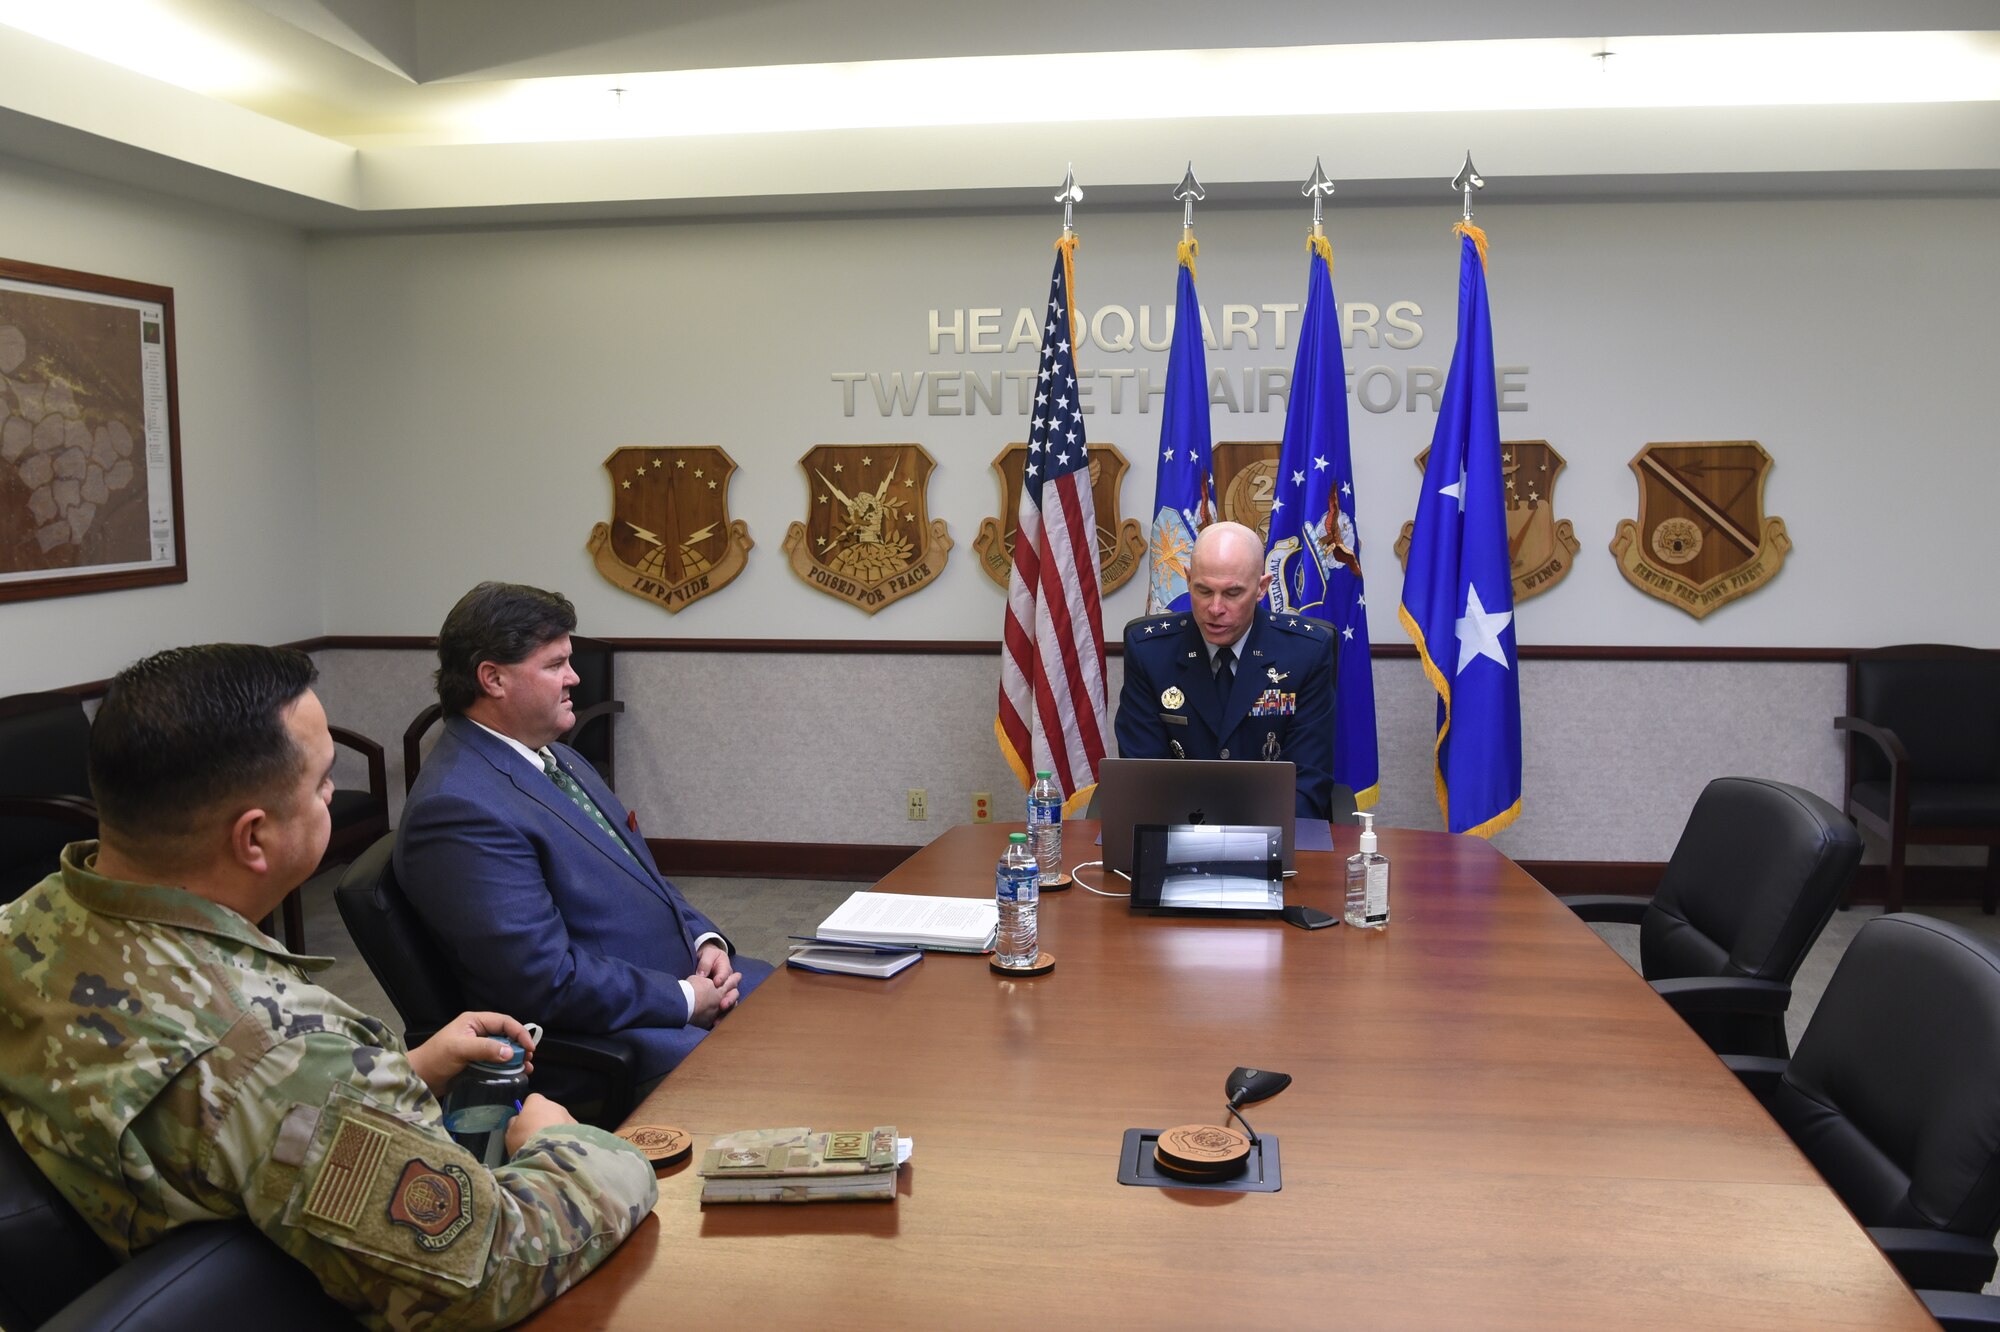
1277,676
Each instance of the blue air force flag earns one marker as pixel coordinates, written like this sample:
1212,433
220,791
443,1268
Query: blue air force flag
1458,595
1183,488
1313,553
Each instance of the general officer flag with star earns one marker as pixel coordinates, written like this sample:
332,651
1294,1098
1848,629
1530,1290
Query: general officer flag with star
1458,594
1313,554
1183,488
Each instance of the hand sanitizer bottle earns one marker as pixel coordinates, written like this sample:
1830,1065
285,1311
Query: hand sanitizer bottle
1367,881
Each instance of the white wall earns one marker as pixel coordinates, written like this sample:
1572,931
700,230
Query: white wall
246,459
469,385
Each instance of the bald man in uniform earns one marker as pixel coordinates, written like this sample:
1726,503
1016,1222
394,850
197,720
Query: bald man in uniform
1226,679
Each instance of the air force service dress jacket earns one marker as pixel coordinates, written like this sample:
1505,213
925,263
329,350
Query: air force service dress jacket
546,915
1281,706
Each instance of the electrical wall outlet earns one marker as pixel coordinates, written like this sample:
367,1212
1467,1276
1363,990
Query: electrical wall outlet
920,803
982,807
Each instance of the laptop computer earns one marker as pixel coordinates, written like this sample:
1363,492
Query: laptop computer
1132,791
1207,869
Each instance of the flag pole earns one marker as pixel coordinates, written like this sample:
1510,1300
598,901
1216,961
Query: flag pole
1188,192
1465,182
1319,189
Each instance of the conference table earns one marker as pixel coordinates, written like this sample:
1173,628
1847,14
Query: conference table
1493,1123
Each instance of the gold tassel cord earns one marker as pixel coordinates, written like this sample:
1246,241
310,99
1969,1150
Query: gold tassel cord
1478,239
1189,248
1321,246
1067,246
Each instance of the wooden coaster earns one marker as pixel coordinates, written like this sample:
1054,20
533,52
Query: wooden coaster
1060,885
662,1146
1201,1151
1044,963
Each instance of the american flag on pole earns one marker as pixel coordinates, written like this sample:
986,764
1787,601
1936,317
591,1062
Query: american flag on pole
1052,658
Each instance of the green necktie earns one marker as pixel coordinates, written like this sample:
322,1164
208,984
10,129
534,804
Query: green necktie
581,799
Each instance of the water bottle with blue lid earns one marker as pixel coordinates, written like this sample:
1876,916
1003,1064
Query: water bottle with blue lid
484,1099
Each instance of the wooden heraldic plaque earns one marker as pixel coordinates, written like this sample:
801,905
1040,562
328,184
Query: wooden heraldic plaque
670,538
1701,539
868,538
1541,546
1120,542
1246,479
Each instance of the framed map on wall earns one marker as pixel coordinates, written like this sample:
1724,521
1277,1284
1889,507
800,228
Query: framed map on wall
90,466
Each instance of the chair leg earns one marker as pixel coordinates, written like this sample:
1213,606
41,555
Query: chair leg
295,922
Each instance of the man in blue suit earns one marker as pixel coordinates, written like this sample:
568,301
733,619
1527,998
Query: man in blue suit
1226,679
528,869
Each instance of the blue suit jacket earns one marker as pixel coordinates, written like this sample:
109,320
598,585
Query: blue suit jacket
1280,708
543,916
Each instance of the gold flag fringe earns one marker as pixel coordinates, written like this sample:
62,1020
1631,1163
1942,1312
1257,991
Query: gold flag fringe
1478,239
1190,247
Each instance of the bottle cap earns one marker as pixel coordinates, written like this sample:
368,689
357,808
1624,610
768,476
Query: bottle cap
514,1063
1017,837
1044,776
1367,831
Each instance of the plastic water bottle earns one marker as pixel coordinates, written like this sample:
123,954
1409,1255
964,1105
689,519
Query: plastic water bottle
1045,804
1017,887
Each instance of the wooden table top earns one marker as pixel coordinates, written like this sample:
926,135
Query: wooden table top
1493,1123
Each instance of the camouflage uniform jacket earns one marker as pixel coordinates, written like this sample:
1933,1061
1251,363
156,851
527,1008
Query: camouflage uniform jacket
166,1063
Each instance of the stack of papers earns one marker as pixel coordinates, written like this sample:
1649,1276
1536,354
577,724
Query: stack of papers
903,920
798,1165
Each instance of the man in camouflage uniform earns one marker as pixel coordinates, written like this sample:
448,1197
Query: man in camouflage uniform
166,1063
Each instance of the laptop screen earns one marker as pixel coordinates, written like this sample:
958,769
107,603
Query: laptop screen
1207,868
1132,791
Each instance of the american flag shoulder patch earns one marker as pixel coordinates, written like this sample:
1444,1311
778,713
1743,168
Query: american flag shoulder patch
341,1191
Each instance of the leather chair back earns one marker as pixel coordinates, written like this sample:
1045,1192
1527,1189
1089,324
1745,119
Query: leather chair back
1945,708
1752,882
48,1256
591,659
1892,1093
412,970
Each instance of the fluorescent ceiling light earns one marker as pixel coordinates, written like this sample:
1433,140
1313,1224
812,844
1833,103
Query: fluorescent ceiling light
147,37
1761,70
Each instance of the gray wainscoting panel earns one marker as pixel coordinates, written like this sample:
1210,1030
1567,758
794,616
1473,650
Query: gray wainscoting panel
802,748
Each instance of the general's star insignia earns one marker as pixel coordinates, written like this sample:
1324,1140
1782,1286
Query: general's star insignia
1171,697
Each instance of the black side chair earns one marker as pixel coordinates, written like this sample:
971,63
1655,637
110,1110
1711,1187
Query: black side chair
1930,770
44,786
1752,882
594,1076
1962,1311
1892,1095
591,695
55,1274
359,817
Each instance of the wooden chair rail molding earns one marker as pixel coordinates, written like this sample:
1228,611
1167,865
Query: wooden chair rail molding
970,647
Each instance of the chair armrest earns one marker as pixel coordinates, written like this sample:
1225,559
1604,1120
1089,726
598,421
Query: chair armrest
60,809
1961,1311
1937,1259
1885,739
1724,994
204,1275
378,769
413,743
1760,1073
611,707
1617,908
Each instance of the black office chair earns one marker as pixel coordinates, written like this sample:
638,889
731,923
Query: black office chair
48,1256
1930,773
1892,1095
595,1077
1752,882
359,816
44,786
1962,1311
590,735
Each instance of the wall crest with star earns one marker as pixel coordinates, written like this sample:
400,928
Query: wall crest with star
868,538
670,539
